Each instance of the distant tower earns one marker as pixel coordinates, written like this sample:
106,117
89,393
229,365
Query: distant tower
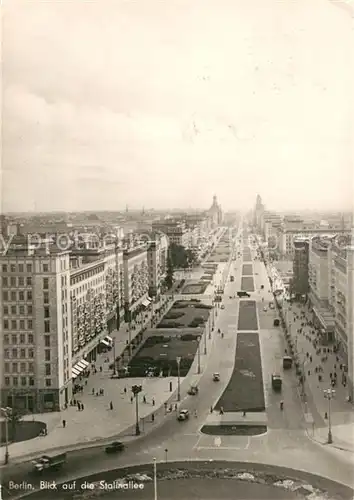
143,211
215,201
258,201
126,208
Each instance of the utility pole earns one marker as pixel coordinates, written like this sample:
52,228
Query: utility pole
7,412
329,394
199,355
178,359
136,389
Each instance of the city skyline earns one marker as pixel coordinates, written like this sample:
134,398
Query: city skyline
90,126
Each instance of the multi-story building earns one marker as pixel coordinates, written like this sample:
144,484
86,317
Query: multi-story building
215,213
136,280
36,343
175,229
300,281
57,308
157,262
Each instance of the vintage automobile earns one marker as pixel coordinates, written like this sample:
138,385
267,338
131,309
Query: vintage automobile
114,447
183,415
276,382
216,377
193,390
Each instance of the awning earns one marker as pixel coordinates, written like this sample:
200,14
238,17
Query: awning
83,364
79,368
108,338
105,343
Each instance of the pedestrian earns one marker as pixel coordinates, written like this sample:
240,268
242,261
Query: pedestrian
93,391
153,401
125,390
82,407
310,359
211,409
111,405
101,369
64,424
131,399
244,414
144,399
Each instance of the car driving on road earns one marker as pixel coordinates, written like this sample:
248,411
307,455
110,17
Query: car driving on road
183,415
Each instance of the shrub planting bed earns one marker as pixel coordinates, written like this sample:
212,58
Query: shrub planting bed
245,391
247,316
194,288
247,269
158,356
190,314
21,431
247,284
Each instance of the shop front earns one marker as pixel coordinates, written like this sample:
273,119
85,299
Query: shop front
324,322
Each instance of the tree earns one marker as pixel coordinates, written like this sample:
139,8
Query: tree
169,273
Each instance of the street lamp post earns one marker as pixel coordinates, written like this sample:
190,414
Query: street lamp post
178,359
199,355
155,480
6,412
114,357
329,394
205,338
136,389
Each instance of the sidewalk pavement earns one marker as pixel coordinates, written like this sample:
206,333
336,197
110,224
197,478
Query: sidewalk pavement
97,422
316,405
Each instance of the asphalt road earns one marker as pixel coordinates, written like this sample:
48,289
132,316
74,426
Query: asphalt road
285,443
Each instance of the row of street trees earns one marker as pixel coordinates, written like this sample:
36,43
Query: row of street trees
179,257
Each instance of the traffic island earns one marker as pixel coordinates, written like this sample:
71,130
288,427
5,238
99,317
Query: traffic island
206,480
247,284
19,431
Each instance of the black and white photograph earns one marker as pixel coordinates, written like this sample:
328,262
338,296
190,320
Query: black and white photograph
177,250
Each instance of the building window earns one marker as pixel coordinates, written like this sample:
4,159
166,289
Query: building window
21,296
31,381
45,283
48,382
13,339
6,324
14,353
46,340
46,327
45,268
13,296
22,353
14,367
23,381
30,338
30,353
6,339
46,312
4,282
13,324
22,324
5,296
22,338
29,268
13,310
46,297
31,367
29,324
29,295
15,381
6,310
47,355
13,281
4,268
47,370
13,268
29,309
7,367
20,268
21,281
23,368
6,353
7,380
29,281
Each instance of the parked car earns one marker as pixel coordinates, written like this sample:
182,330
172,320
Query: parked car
183,415
114,447
265,309
216,377
222,307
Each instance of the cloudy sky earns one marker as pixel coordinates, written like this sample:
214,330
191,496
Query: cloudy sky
165,102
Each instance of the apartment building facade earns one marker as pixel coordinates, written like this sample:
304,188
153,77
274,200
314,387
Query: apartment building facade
35,317
136,280
176,231
157,262
300,280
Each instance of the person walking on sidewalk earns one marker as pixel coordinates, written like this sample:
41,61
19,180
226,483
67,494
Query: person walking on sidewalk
64,424
111,405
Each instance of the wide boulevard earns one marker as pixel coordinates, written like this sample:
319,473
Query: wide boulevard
286,442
